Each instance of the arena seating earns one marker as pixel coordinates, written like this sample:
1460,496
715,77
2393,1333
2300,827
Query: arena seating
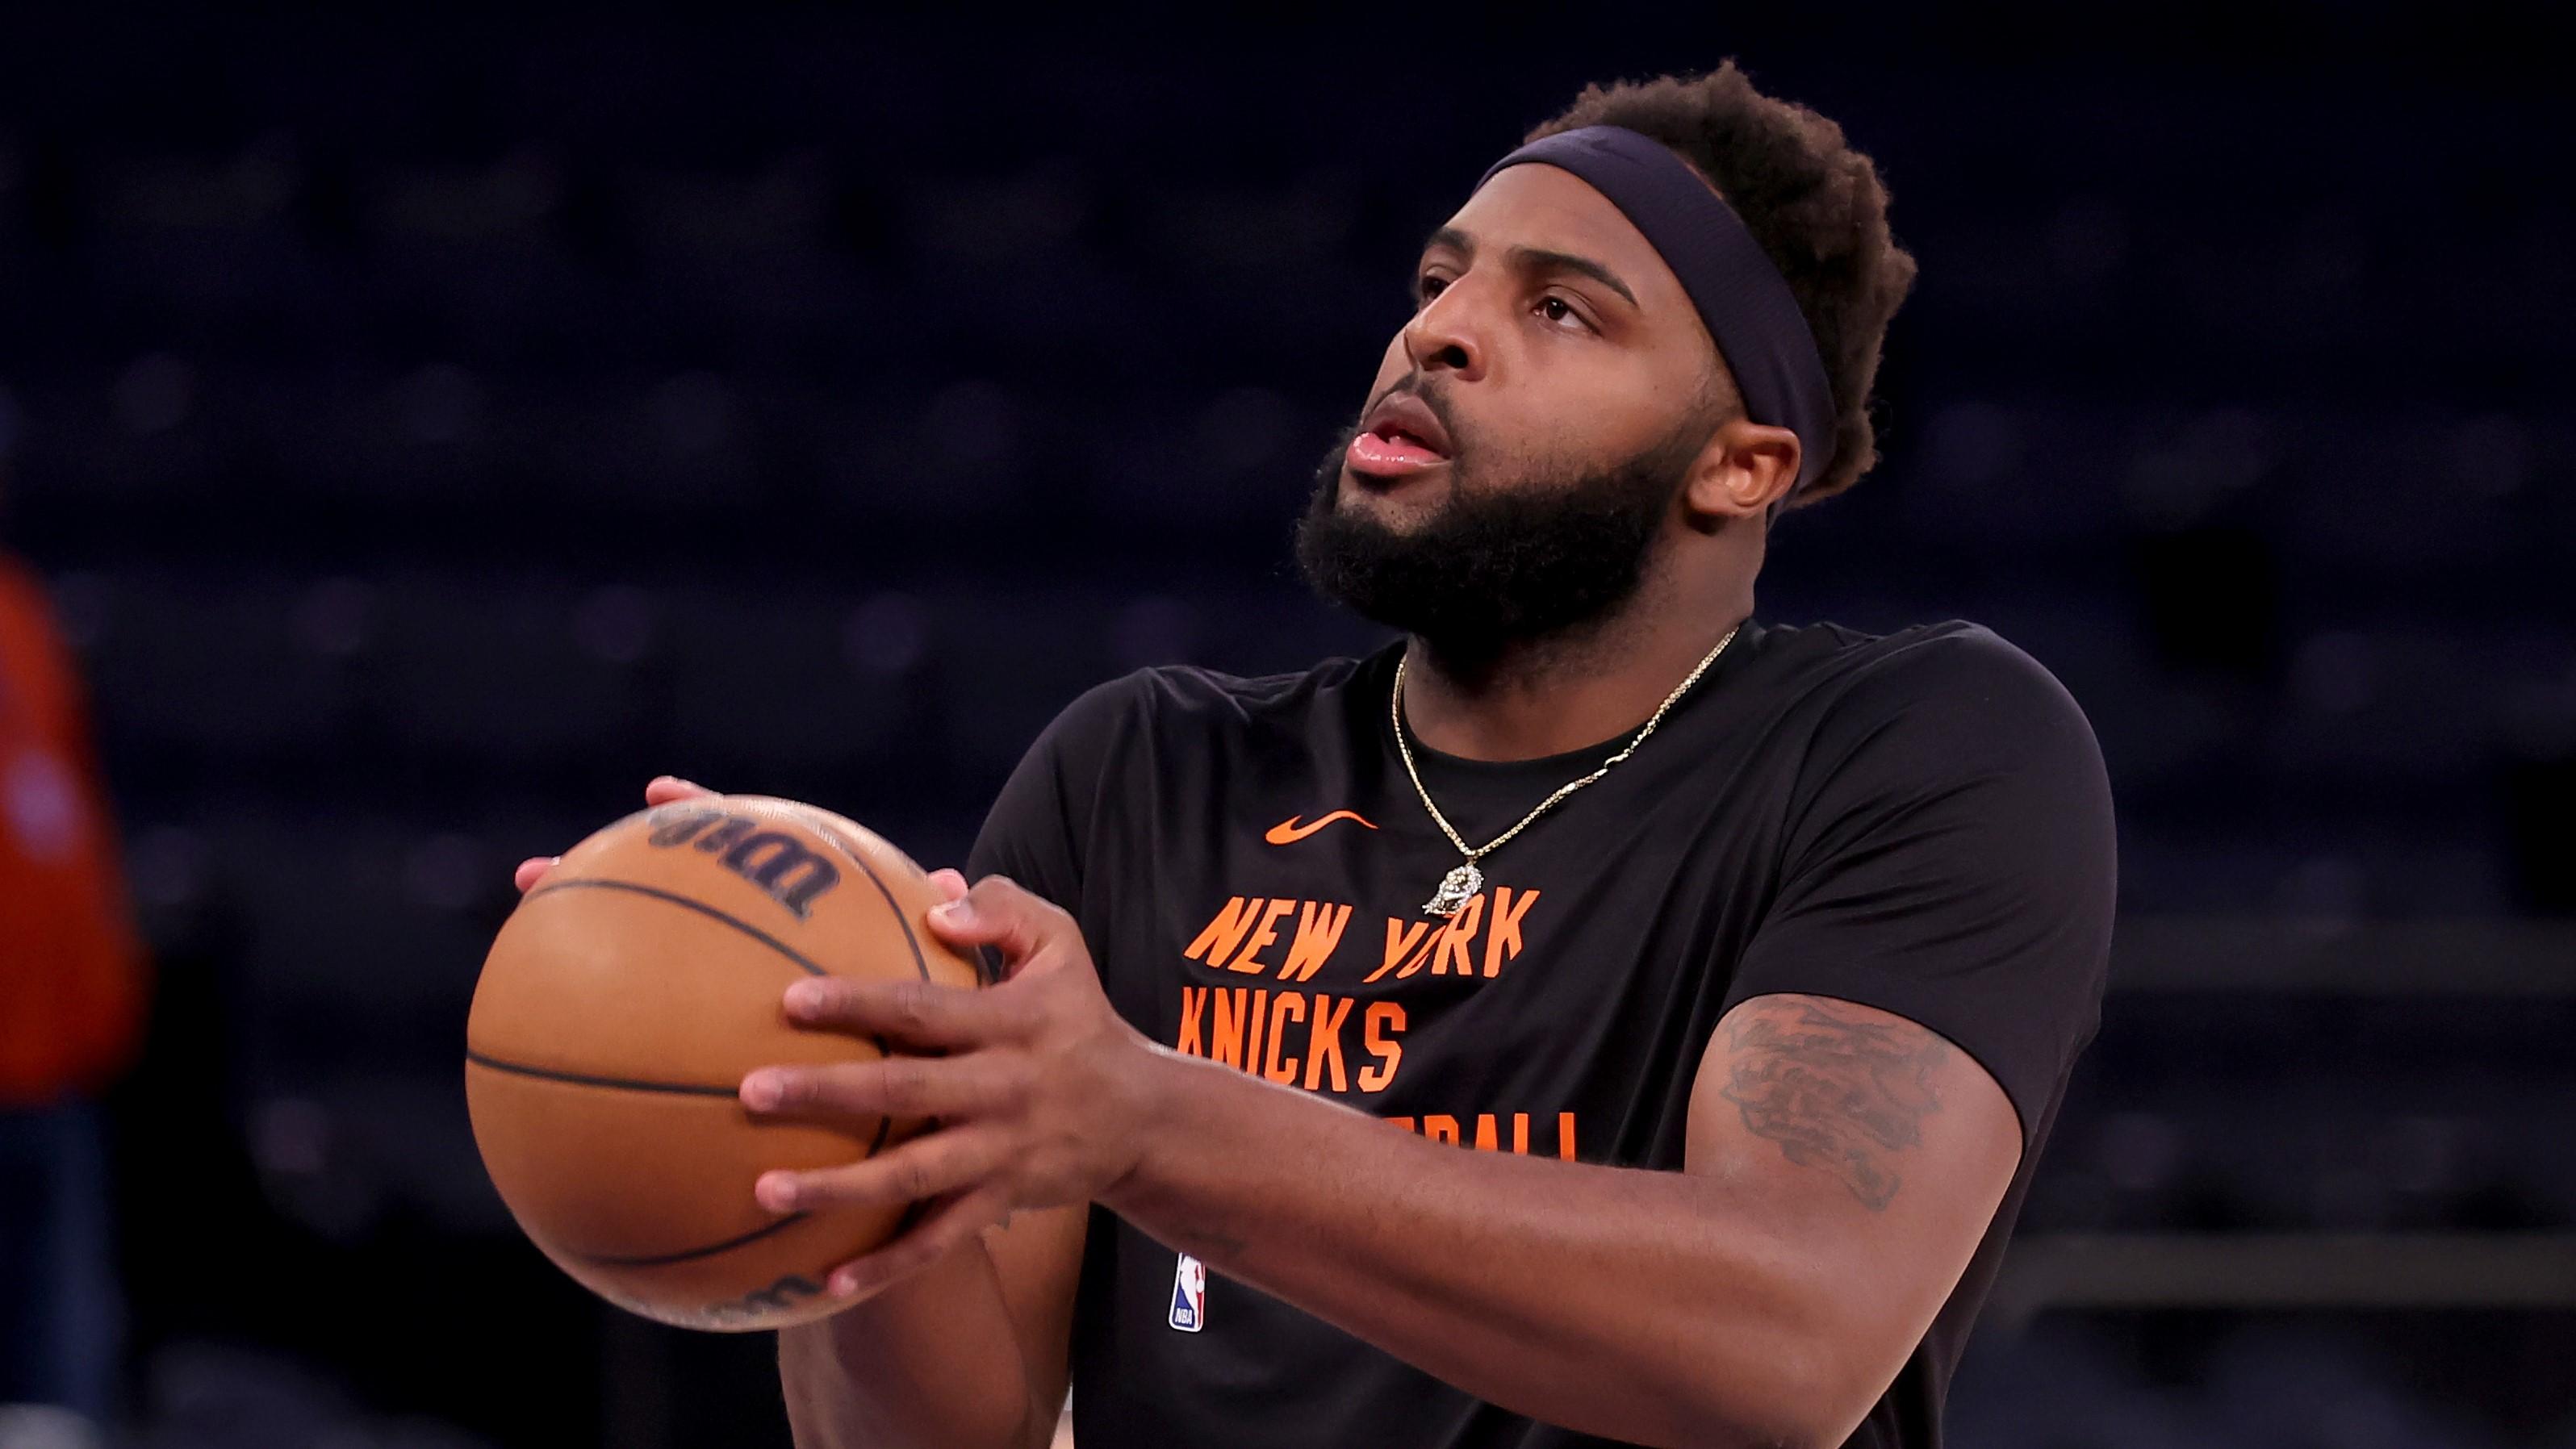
422,462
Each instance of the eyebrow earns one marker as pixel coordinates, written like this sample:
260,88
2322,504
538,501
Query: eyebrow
1536,259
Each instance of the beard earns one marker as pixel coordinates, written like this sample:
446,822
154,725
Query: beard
1501,563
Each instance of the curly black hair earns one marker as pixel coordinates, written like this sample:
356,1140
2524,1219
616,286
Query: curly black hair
1816,206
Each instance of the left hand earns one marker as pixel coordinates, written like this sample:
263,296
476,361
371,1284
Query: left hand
1037,1090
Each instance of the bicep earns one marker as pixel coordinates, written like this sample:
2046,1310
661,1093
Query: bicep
1037,1259
1879,1149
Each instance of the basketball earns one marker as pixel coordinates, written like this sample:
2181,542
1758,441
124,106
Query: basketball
620,1007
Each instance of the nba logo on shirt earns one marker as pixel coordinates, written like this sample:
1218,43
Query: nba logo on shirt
1189,1295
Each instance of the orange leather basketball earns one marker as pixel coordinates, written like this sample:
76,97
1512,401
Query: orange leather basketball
623,1003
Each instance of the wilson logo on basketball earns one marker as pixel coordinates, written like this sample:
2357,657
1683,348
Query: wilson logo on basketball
1290,831
780,864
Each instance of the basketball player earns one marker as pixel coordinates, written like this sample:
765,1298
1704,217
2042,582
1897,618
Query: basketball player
1601,1015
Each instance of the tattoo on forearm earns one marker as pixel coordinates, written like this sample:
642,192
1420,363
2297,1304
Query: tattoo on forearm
1835,1087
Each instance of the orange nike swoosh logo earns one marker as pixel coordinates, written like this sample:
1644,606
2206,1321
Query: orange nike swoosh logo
1289,832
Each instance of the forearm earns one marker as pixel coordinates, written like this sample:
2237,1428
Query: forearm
1648,1306
929,1363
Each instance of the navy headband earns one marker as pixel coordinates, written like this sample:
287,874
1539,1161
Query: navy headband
1741,296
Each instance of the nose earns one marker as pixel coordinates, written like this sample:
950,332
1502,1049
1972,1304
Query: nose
1445,337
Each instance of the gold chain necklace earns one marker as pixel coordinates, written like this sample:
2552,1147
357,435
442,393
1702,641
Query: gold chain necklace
1461,884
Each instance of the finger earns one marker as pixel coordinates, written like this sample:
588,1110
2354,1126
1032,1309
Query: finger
954,1159
665,789
949,883
973,1085
533,870
935,1236
999,912
923,1013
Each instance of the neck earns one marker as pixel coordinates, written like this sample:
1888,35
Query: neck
1549,696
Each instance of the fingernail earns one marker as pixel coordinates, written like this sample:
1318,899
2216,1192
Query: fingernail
955,913
761,1090
804,996
776,1191
844,1284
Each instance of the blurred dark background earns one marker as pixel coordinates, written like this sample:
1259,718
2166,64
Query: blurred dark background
428,426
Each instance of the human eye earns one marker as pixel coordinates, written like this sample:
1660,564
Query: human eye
1428,286
1557,310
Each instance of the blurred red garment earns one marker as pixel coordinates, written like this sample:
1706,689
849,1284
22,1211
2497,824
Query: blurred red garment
71,967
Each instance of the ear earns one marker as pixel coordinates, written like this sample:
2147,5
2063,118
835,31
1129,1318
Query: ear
1745,466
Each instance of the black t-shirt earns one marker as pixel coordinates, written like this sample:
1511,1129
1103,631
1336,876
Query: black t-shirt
1916,821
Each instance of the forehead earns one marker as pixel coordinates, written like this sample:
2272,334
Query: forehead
1540,206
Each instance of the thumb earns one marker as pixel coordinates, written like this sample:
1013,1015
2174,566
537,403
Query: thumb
998,912
666,789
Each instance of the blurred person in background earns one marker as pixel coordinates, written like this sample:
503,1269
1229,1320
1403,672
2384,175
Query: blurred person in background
71,1013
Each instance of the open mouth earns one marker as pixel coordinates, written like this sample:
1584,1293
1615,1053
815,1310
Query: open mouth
1401,435
1390,451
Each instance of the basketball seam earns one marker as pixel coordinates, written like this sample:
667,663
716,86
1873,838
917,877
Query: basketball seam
702,908
893,906
885,1123
688,1255
584,1079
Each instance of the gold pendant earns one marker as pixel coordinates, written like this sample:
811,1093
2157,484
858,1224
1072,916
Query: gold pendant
1456,889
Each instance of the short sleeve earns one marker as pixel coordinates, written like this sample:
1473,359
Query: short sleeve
1040,826
1951,860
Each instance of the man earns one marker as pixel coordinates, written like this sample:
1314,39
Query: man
71,1009
1599,1016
